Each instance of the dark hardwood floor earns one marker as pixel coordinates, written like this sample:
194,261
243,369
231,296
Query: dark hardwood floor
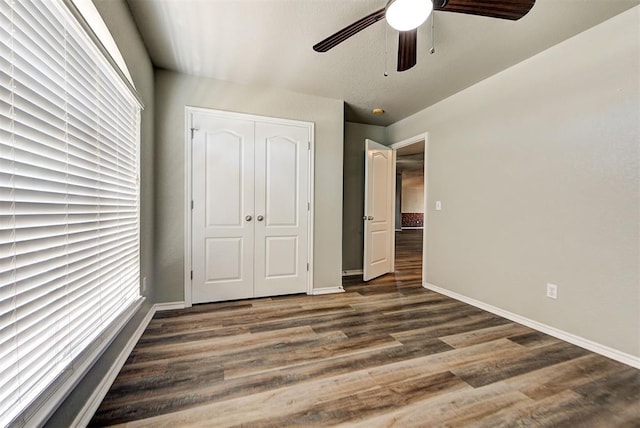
384,353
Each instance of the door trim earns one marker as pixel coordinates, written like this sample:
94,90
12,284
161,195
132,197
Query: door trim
407,142
188,188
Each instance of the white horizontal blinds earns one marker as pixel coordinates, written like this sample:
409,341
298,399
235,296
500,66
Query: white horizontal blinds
69,244
39,192
8,346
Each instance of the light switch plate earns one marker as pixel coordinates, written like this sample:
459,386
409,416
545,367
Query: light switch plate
552,291
438,205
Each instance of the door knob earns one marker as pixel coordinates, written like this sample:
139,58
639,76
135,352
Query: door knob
364,217
260,218
370,217
248,218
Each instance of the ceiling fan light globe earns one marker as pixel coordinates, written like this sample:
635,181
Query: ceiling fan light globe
405,15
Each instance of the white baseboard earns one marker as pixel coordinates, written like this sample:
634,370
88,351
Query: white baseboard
352,272
327,290
598,348
169,306
91,406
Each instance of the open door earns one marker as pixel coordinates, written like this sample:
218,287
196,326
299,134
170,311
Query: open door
378,206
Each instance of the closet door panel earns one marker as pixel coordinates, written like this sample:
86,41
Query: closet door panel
281,181
281,198
223,209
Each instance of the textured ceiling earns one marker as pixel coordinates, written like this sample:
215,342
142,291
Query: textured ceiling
268,42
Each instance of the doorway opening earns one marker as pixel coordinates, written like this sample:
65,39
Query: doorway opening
410,207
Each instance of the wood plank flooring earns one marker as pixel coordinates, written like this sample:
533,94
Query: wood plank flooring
384,353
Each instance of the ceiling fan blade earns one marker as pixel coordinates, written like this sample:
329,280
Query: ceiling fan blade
407,43
348,31
503,9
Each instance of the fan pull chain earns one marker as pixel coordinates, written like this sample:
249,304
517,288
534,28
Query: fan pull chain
386,44
433,34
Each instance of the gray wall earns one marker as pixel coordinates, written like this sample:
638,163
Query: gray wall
116,15
174,91
353,205
537,169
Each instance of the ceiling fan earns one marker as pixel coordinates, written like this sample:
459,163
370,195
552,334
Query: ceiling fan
407,15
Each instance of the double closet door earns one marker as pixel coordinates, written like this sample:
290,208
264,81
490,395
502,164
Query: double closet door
250,210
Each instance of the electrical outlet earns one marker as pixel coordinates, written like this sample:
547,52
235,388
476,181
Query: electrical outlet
552,291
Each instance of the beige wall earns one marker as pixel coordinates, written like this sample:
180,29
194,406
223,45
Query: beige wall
174,92
353,206
412,192
537,169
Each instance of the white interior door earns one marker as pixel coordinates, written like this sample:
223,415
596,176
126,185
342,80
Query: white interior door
223,209
281,228
378,205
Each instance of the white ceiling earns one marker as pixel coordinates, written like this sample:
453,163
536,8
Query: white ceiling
268,42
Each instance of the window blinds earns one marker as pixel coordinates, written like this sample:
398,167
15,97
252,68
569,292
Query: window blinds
69,221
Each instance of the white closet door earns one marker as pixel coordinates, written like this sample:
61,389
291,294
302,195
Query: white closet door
223,215
281,197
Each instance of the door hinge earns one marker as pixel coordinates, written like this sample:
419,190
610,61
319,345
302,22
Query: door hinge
192,204
192,131
191,274
307,266
308,145
308,206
